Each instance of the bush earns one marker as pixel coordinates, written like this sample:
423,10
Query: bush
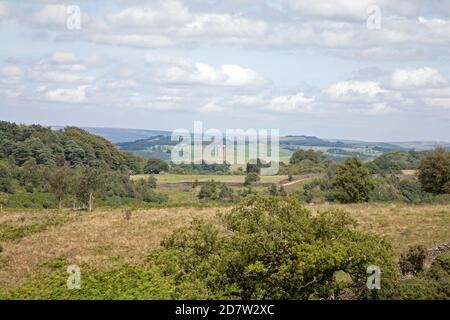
317,191
352,182
5,179
275,191
155,166
273,248
213,190
431,284
251,177
310,155
35,200
412,191
155,197
434,171
413,261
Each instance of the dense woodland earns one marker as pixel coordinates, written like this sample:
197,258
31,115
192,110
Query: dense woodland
41,167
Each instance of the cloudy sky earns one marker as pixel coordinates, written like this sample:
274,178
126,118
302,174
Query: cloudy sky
328,68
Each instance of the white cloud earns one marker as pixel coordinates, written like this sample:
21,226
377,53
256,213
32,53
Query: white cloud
10,93
177,70
59,76
323,24
121,84
10,71
54,14
351,9
132,40
291,103
417,78
357,91
210,107
224,26
63,57
67,95
379,109
163,103
10,74
165,13
57,15
5,10
443,102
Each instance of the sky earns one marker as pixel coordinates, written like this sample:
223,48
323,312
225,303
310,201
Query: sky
375,70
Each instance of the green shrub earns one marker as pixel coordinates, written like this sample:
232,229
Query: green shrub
155,166
10,232
213,190
413,261
251,177
352,182
273,248
275,191
5,179
431,284
434,171
35,200
155,197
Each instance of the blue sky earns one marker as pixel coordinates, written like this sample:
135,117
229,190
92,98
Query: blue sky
303,67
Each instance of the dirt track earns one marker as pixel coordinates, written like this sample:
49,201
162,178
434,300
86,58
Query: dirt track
284,182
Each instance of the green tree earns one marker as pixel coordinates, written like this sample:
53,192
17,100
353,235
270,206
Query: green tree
429,284
21,153
251,177
352,182
300,155
74,153
142,186
434,171
5,179
60,182
274,248
213,190
155,166
30,175
89,182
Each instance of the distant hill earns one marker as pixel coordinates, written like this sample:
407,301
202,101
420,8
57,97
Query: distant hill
309,141
422,145
156,143
117,135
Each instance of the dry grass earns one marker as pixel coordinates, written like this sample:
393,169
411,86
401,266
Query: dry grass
409,172
177,178
100,239
403,224
106,238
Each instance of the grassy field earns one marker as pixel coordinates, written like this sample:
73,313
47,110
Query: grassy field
105,239
177,178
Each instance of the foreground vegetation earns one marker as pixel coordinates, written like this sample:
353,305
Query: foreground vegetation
116,251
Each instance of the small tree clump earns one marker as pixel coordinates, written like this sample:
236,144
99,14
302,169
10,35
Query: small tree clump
213,190
434,171
352,182
413,261
251,177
